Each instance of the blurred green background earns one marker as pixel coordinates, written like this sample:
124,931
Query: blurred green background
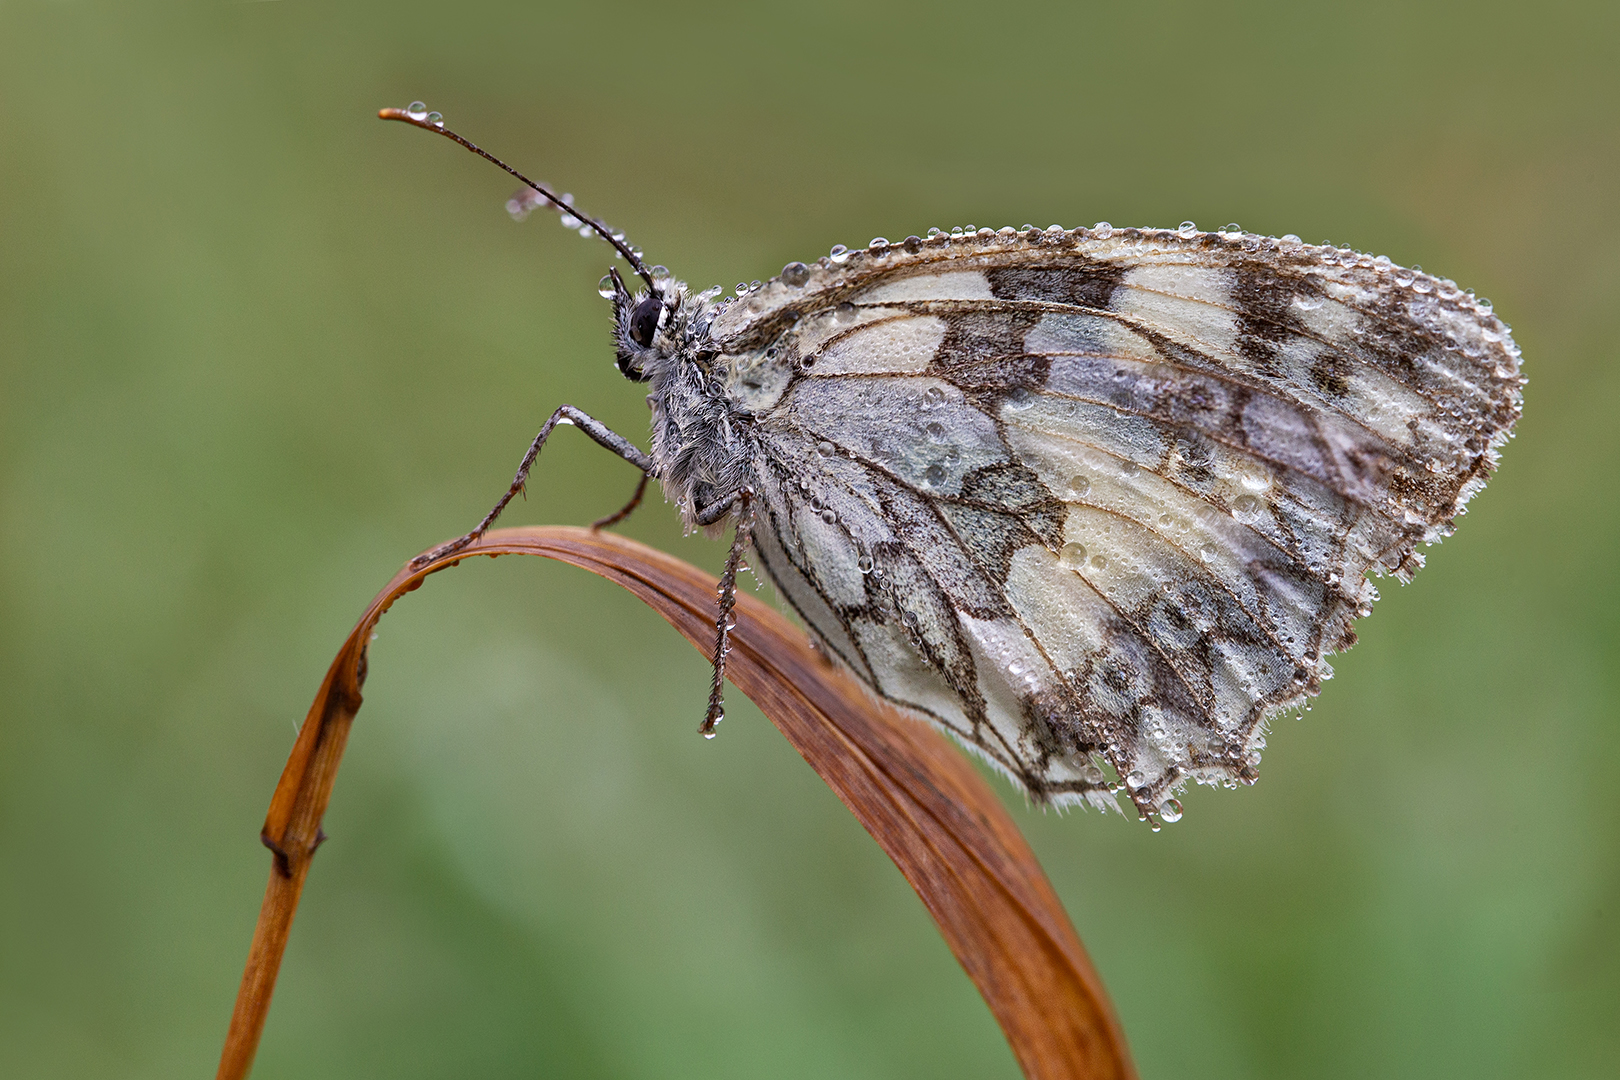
256,348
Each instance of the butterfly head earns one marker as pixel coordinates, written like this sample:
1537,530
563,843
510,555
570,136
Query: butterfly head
650,326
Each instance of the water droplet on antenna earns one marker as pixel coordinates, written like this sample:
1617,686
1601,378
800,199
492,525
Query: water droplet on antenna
605,288
416,110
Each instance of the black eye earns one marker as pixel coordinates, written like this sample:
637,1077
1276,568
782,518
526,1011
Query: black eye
644,320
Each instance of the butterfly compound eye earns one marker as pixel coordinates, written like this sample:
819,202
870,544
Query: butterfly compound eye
644,320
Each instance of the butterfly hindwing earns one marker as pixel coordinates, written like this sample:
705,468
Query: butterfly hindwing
1091,500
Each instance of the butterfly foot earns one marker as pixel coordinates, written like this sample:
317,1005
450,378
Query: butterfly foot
444,550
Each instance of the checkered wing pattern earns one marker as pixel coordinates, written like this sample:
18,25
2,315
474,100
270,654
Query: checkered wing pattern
1100,503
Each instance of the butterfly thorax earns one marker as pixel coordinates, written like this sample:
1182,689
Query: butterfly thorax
702,437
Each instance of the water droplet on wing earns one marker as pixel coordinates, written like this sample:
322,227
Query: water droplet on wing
1247,507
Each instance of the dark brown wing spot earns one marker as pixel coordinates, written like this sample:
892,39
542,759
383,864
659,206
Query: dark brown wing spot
1090,286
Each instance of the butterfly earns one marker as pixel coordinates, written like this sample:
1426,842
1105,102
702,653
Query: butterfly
1098,502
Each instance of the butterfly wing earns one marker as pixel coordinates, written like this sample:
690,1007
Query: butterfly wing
1086,499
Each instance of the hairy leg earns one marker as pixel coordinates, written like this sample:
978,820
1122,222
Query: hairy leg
744,500
628,508
598,431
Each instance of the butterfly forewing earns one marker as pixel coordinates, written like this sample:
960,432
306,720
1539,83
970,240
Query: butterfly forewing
1106,500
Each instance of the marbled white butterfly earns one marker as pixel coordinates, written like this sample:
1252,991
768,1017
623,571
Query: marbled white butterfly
1099,502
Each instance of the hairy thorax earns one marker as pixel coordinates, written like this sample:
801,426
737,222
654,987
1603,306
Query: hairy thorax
704,406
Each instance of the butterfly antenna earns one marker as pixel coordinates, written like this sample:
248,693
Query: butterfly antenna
418,116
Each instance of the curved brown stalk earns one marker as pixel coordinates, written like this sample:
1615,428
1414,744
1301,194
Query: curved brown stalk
916,794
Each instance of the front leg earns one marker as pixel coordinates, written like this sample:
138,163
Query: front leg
598,431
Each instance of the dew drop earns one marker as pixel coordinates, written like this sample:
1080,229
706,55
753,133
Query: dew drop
1102,230
1020,399
1099,562
1072,556
845,312
878,243
936,432
658,273
1246,506
825,448
605,288
1091,774
1290,240
1135,780
1170,811
1127,467
795,274
864,564
1207,552
1232,227
435,119
933,397
711,734
934,475
1079,485
1187,230
416,110
830,517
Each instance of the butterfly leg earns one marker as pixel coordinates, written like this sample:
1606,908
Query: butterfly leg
599,432
744,501
628,508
